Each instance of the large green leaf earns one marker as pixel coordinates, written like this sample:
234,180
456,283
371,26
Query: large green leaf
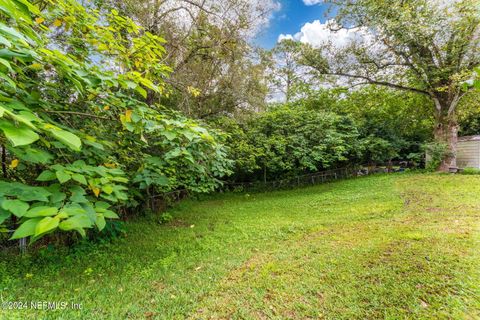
46,224
57,196
24,192
100,222
6,30
73,211
78,194
101,206
4,215
34,194
26,229
62,176
79,178
18,136
32,155
42,211
47,175
67,138
76,222
110,214
17,207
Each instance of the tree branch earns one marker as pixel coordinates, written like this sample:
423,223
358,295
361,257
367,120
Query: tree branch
380,83
78,114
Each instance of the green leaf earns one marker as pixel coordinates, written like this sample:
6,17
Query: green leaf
17,207
76,222
142,91
12,32
110,214
4,215
82,232
18,136
100,222
62,215
26,229
41,212
57,196
6,64
101,206
46,224
79,178
73,211
67,138
46,175
108,188
32,155
78,197
62,176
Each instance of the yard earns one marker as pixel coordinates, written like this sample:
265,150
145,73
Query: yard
390,246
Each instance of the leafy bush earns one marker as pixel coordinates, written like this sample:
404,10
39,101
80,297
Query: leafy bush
436,152
79,134
470,171
289,140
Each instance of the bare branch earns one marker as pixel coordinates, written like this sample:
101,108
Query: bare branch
380,83
89,115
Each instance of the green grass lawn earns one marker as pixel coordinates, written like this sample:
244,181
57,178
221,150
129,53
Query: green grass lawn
381,247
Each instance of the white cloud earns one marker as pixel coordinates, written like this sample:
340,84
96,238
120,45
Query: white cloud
317,34
312,2
285,37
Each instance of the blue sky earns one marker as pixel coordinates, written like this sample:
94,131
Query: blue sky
289,20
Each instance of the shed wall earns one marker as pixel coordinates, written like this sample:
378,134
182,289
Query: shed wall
468,154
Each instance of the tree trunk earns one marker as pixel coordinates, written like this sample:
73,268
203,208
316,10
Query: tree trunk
446,132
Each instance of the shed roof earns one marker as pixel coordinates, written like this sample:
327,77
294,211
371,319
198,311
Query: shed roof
469,138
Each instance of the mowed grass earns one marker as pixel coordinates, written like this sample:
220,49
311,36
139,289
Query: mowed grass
380,247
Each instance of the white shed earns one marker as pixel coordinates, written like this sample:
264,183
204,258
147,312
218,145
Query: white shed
468,152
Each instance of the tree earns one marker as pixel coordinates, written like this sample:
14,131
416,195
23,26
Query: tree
429,47
285,74
216,69
291,140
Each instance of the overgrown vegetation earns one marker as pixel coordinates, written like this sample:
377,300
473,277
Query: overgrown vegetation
388,246
79,134
112,110
107,104
471,171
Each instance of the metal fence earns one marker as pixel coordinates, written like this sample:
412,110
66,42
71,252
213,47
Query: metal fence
161,202
295,181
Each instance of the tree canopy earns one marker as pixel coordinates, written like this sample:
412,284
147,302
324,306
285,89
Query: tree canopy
428,47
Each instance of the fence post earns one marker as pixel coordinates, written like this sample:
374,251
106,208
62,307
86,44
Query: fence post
23,245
